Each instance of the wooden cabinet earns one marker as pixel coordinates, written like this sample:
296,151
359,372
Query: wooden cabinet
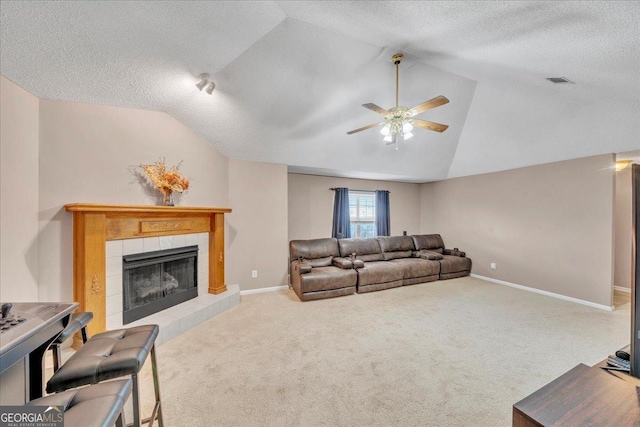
584,396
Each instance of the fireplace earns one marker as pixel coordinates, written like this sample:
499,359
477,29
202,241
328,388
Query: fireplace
154,281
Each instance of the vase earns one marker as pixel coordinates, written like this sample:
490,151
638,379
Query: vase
168,198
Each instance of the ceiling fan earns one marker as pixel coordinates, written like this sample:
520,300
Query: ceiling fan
398,121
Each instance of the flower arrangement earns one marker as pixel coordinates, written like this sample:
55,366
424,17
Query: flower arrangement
166,179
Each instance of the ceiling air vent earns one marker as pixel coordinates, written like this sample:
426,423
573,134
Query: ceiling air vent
559,80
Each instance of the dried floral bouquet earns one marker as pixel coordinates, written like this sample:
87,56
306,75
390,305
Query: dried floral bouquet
167,180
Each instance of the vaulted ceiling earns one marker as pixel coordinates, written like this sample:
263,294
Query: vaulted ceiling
291,76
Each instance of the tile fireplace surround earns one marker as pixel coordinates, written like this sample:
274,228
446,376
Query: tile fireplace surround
103,233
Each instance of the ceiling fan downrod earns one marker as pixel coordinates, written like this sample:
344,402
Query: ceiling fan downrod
397,59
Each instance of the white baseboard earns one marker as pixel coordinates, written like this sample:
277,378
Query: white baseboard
621,289
549,294
262,290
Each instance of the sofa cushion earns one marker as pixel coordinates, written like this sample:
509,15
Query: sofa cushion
365,249
398,254
326,278
416,267
314,249
379,272
395,243
431,242
454,264
394,247
320,262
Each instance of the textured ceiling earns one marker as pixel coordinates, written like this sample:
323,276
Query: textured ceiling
291,76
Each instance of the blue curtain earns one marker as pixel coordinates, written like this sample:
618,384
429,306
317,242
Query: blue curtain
341,223
383,223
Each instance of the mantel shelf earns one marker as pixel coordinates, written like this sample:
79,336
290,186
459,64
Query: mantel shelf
90,207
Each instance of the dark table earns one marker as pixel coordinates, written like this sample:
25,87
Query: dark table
31,338
584,396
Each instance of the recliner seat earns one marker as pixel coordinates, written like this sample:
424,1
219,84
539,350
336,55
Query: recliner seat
318,271
376,273
453,264
400,251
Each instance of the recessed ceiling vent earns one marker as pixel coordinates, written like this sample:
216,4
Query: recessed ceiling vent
559,80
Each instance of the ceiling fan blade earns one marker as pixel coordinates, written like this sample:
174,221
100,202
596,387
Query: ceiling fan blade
375,108
427,105
364,128
424,124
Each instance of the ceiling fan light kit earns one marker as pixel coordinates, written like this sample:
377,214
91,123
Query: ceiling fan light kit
398,121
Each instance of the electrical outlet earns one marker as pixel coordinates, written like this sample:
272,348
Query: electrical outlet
254,274
494,266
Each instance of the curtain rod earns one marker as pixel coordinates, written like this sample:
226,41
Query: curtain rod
364,191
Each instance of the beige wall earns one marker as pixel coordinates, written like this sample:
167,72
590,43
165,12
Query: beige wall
311,204
548,227
18,193
623,229
257,227
86,153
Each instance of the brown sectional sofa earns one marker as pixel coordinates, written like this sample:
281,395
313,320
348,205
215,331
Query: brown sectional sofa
324,268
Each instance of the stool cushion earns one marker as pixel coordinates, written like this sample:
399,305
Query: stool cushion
98,405
107,355
77,322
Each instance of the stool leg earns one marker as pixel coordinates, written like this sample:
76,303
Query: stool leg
156,384
83,331
136,401
120,421
57,357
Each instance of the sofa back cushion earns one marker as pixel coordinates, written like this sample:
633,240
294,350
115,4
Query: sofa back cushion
365,249
394,247
431,242
318,252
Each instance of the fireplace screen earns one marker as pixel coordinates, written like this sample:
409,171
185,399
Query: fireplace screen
154,281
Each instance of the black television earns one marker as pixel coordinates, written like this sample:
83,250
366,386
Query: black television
635,272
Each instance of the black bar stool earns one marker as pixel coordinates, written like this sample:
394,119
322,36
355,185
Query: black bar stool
77,322
109,355
100,405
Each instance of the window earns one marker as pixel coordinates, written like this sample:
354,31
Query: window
362,213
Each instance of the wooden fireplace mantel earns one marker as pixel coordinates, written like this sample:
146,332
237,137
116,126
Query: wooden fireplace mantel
94,224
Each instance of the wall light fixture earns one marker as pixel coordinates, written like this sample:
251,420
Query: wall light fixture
202,82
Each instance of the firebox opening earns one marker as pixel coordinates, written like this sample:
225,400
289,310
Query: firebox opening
154,281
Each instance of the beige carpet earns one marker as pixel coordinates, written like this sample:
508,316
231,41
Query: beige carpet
449,353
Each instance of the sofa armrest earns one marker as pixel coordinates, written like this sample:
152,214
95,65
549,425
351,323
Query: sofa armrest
358,263
301,266
455,252
342,263
433,256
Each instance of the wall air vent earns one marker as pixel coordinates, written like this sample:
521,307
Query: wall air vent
559,80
